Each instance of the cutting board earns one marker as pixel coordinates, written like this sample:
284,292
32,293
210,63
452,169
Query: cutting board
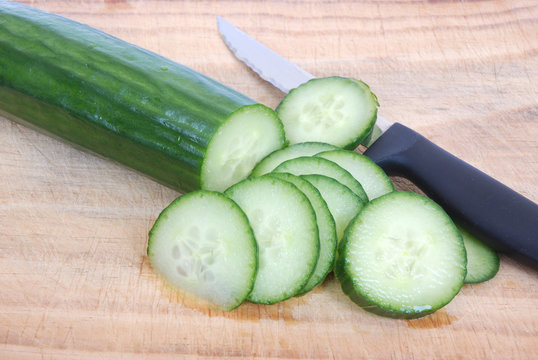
75,282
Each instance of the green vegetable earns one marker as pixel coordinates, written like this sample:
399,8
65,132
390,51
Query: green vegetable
401,257
343,203
326,229
335,110
270,162
286,232
202,244
161,118
482,261
306,165
372,178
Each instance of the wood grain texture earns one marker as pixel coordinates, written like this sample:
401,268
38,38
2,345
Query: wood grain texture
74,279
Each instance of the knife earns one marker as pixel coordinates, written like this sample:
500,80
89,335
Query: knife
494,213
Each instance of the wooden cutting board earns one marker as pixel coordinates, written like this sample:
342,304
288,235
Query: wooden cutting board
75,282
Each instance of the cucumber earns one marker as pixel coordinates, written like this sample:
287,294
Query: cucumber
125,103
401,257
335,110
286,232
343,203
326,229
482,261
277,157
202,245
306,165
372,178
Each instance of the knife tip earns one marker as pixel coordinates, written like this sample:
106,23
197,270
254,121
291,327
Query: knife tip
221,21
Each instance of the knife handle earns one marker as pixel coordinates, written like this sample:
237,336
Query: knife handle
491,211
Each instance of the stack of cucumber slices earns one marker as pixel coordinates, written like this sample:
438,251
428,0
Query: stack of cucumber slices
314,207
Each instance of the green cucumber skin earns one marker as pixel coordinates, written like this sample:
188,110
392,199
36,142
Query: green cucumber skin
352,290
483,262
348,287
268,178
371,120
322,269
207,193
265,166
373,179
108,96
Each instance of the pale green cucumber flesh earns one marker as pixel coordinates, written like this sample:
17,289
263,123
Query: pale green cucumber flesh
285,228
372,178
326,229
482,261
335,110
401,257
307,165
247,136
343,204
270,162
202,245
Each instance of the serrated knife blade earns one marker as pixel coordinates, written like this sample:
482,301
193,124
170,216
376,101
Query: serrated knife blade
270,66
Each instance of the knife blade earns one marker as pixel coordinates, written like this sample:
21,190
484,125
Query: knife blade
488,209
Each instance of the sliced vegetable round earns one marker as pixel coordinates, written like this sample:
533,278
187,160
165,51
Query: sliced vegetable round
246,137
326,228
343,203
335,110
286,232
307,165
372,178
277,157
482,261
402,257
202,244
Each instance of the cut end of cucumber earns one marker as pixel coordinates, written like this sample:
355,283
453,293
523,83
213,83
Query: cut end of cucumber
202,244
246,137
335,110
402,257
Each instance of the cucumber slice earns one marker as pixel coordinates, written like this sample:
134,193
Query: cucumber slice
286,231
334,110
306,165
401,257
277,157
248,135
202,245
482,261
326,228
372,178
343,204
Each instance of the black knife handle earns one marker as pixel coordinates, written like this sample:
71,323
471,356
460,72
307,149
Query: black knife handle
491,211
